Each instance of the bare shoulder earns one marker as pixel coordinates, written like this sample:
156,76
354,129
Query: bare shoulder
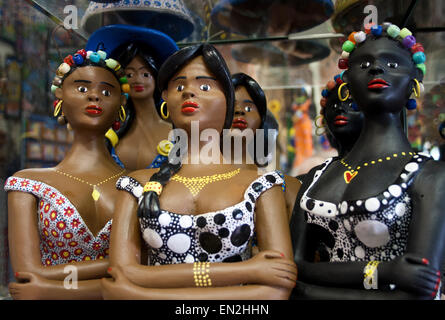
38,174
292,184
142,175
431,178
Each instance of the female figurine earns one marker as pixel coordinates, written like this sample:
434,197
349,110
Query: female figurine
251,113
144,128
197,217
378,212
60,218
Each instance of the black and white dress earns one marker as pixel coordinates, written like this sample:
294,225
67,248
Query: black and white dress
221,236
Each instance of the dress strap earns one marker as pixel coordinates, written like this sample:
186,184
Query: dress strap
130,185
262,184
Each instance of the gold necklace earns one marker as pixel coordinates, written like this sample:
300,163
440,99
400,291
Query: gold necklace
350,174
195,184
95,194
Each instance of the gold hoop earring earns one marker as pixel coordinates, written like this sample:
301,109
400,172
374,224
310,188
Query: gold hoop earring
122,114
416,92
318,127
57,108
339,92
161,110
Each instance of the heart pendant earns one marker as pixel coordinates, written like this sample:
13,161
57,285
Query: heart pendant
348,175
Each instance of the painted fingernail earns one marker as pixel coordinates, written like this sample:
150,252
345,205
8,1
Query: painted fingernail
282,254
425,261
109,269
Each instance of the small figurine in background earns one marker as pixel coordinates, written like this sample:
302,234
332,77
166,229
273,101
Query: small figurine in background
378,211
145,127
61,216
196,218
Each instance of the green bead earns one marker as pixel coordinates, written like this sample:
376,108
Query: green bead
111,63
53,88
404,33
393,31
348,46
102,54
422,67
123,80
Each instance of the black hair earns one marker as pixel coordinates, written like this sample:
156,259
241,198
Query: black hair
149,205
87,62
125,54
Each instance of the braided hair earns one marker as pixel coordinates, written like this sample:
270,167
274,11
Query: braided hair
149,205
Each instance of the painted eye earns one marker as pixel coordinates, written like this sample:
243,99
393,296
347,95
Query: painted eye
392,65
180,87
106,93
365,64
247,108
129,75
204,87
335,106
147,74
82,89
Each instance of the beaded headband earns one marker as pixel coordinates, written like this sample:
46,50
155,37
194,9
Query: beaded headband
71,62
330,86
392,31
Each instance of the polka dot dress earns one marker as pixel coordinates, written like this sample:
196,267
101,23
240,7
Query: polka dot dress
222,236
368,229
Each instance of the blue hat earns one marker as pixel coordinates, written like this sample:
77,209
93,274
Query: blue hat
109,38
168,16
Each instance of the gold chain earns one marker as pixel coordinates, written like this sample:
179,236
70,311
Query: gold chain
195,184
351,173
95,194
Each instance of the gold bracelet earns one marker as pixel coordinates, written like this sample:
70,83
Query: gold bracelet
201,274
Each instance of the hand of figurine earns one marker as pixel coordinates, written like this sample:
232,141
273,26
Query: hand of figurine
29,286
413,274
118,287
272,268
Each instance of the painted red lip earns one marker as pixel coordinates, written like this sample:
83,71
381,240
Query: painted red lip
340,120
239,123
93,109
189,107
378,84
138,88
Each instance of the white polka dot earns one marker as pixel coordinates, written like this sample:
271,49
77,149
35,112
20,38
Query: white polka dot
153,239
385,202
163,231
412,167
125,182
395,247
419,160
179,243
174,260
359,252
373,217
400,209
162,256
397,234
359,202
347,225
416,156
189,259
344,207
137,191
164,219
383,254
157,264
372,204
372,258
390,216
386,194
185,221
352,258
404,186
403,176
395,190
351,208
372,233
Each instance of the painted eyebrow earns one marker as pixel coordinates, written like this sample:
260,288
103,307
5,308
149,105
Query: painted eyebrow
205,77
179,78
106,83
248,101
85,81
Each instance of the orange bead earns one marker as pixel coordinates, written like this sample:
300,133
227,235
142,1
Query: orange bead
126,88
330,85
351,37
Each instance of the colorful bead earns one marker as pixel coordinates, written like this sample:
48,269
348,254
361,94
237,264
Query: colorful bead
126,88
116,125
343,64
404,33
82,52
341,75
351,37
323,102
368,27
78,59
69,60
111,63
164,147
102,54
409,41
339,81
422,87
336,77
126,96
422,67
94,57
354,106
64,68
393,31
89,52
376,30
417,47
412,104
419,57
325,93
123,80
344,55
57,81
153,186
386,25
360,37
330,85
53,88
348,46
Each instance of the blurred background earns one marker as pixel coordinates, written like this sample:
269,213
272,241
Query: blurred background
290,47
